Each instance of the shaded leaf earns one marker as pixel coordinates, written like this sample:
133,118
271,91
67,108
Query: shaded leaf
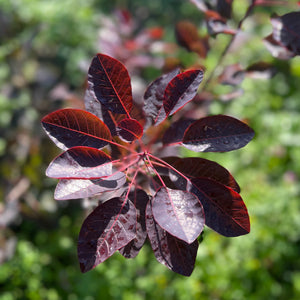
140,199
174,134
224,8
217,134
80,162
108,228
129,130
75,127
154,96
178,212
261,70
181,89
110,81
225,211
170,251
67,189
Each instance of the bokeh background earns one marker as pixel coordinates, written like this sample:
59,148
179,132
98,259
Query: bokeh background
45,50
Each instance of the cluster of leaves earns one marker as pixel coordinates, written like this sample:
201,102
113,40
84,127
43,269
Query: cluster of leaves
141,194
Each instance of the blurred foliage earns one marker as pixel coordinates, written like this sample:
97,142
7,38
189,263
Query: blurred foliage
48,44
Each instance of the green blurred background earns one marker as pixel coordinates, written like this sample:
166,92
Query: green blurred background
45,50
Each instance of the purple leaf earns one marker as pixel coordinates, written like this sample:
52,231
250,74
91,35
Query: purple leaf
174,134
225,211
181,89
217,134
170,251
154,96
194,167
80,163
107,229
110,81
129,130
178,212
140,199
75,127
67,189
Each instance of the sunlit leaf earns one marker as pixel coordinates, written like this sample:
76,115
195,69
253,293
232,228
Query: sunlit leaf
217,134
107,229
178,212
75,127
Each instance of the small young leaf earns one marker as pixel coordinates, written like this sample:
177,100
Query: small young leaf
170,251
80,163
129,130
75,127
110,82
181,89
154,96
67,189
225,211
140,199
107,229
217,134
178,212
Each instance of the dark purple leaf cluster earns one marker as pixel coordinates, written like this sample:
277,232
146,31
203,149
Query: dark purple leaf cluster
112,152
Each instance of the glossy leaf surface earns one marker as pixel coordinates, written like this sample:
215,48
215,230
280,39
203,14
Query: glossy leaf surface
170,251
80,162
181,89
217,134
129,130
108,228
140,199
81,188
154,97
75,127
111,84
225,211
178,212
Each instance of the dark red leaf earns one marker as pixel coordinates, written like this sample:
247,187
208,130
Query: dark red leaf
181,89
174,134
75,127
225,211
67,189
80,162
170,251
110,81
154,96
107,229
199,167
140,199
178,212
217,134
129,130
286,31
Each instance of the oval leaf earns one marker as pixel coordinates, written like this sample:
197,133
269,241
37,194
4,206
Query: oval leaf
170,251
178,212
75,127
181,89
111,83
108,228
140,199
67,189
154,96
217,134
225,211
81,163
129,130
